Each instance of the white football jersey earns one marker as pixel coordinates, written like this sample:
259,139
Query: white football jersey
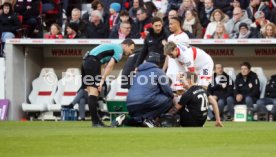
194,59
180,39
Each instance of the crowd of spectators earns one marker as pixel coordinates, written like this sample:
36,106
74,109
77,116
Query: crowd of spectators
132,18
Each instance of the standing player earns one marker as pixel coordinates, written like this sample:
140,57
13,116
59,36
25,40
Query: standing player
193,104
91,71
195,59
180,38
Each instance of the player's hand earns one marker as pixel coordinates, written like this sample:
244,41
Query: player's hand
215,97
219,124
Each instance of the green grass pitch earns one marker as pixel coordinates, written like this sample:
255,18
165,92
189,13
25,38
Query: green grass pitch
78,139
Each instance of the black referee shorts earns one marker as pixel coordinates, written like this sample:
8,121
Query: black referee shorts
91,72
187,119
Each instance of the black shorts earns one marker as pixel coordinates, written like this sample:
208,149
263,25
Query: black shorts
91,72
187,119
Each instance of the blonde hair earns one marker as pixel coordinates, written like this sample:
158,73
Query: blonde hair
273,28
219,36
224,17
169,47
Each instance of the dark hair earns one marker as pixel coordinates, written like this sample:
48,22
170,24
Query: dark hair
150,7
95,4
177,18
156,19
124,13
219,64
143,10
128,42
191,76
7,4
154,57
247,64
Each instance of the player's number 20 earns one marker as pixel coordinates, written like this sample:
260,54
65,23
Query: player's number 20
204,101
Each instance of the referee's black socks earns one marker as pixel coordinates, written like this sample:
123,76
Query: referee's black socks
93,105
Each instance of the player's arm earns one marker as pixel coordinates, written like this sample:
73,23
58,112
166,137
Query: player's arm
107,71
216,111
175,108
165,66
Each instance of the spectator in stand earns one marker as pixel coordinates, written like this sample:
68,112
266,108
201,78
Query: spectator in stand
150,7
72,31
220,32
76,18
47,5
172,13
55,32
273,15
239,16
64,8
124,17
269,31
222,90
225,6
269,98
257,5
29,10
259,24
192,24
9,23
161,5
174,4
245,32
186,5
206,12
114,11
12,2
247,87
96,5
273,3
240,3
123,32
96,29
143,20
217,17
154,42
133,10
